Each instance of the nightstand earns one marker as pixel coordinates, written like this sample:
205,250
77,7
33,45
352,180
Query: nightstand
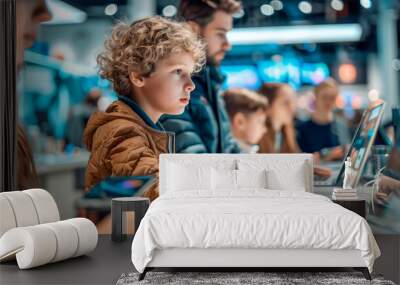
120,207
357,206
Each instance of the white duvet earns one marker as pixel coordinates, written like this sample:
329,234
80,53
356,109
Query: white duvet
250,219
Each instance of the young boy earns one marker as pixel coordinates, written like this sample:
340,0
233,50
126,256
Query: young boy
150,64
247,112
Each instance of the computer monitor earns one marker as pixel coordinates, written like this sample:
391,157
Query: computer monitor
362,143
393,164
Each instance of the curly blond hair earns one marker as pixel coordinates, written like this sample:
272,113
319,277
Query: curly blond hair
140,45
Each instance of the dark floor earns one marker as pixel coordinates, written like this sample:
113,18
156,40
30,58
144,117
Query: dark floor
103,266
106,264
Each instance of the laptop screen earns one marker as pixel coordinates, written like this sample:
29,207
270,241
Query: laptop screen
362,142
393,164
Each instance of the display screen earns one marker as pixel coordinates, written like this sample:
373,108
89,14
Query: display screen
314,73
290,71
126,186
243,76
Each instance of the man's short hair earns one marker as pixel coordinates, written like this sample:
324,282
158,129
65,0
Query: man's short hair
140,45
244,101
202,11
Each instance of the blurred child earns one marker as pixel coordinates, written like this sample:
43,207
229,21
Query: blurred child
332,132
281,135
150,64
247,112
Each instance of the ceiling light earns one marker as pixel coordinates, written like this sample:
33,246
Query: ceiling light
111,9
337,5
296,34
276,4
305,7
169,11
366,3
267,10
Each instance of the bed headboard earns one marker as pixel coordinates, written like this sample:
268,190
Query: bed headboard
238,161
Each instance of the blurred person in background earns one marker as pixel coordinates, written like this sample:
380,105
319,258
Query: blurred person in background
332,132
247,111
281,135
29,13
204,127
79,116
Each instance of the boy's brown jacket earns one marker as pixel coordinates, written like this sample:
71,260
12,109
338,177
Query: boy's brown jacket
122,144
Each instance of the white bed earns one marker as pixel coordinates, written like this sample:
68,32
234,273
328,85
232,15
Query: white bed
224,225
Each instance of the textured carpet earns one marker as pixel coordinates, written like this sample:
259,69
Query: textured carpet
230,278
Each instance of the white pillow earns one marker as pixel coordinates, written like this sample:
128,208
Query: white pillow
188,177
281,174
251,178
223,179
279,180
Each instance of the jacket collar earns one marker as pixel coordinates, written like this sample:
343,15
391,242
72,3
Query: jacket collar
211,71
126,112
247,148
141,113
216,74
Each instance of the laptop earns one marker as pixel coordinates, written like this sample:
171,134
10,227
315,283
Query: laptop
359,149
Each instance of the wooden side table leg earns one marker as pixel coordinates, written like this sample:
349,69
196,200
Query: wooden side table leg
123,205
117,221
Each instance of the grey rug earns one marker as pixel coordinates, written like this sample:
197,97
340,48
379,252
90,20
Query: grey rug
230,278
